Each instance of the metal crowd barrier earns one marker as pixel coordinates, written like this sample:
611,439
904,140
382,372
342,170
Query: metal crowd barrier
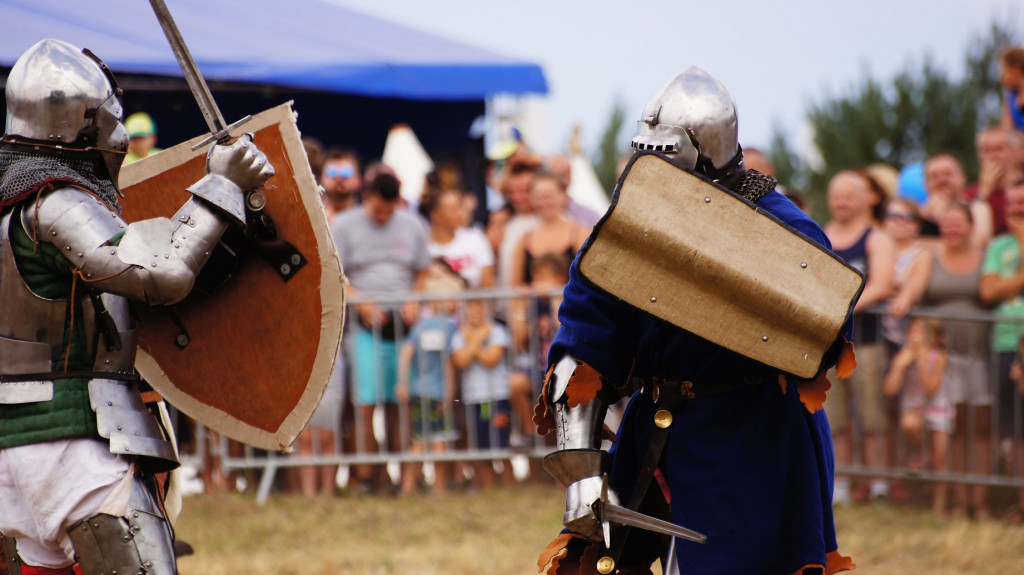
994,453
1004,443
501,307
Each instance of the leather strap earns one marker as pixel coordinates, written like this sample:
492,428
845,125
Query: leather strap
655,447
54,375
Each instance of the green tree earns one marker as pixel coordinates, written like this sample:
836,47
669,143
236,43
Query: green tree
611,149
919,112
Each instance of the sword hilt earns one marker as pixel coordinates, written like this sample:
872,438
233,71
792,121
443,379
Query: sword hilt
222,134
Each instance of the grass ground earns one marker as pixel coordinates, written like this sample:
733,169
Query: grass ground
502,532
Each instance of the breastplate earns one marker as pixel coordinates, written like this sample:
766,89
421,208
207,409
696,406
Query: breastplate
32,327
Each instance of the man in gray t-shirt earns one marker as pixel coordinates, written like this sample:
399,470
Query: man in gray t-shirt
383,251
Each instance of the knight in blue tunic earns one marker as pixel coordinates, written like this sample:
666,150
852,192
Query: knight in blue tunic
710,440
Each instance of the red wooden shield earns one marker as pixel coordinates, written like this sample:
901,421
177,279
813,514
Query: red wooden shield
261,349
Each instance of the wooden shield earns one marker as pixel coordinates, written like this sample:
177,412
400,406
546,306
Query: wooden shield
261,349
700,257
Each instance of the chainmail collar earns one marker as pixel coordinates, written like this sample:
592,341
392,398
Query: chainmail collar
754,185
23,173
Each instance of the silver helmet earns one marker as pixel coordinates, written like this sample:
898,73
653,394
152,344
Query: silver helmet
692,120
67,98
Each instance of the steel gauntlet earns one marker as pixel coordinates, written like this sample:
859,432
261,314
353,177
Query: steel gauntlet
232,170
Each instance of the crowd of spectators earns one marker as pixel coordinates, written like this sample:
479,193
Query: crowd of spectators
937,388
456,374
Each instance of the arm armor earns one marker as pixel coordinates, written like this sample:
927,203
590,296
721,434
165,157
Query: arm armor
156,260
577,429
231,170
578,464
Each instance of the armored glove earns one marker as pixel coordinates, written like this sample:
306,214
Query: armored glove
232,170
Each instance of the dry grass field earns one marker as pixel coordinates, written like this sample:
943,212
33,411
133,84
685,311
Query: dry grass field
502,532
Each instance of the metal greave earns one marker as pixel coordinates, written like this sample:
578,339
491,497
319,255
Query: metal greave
139,542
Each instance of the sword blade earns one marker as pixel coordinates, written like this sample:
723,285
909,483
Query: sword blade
636,519
195,80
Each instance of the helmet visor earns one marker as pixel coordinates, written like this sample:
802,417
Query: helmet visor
674,141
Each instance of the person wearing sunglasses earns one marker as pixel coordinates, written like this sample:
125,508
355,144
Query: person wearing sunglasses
341,181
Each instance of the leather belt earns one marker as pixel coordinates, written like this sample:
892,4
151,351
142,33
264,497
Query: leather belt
687,390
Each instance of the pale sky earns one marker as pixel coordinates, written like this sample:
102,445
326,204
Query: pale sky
775,56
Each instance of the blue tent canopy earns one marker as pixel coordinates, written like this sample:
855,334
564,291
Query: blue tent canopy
303,44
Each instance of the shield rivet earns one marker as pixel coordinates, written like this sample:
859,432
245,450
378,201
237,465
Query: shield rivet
663,418
707,200
654,299
605,565
803,265
764,338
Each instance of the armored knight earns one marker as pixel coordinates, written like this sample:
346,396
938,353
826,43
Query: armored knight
78,448
711,439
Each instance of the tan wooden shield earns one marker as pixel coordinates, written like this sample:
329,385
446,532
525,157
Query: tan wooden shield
261,349
698,256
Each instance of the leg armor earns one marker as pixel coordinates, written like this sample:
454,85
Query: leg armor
139,542
670,563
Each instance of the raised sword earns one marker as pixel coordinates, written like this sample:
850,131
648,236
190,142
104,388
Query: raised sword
197,85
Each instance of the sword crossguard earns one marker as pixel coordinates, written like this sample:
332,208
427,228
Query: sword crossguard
222,134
